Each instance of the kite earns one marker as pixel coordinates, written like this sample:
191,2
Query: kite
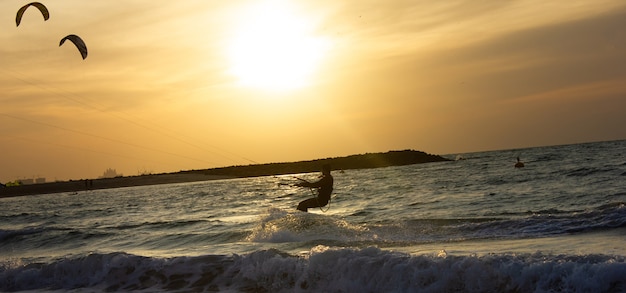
78,42
42,8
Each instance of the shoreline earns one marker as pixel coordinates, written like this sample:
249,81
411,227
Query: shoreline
364,161
104,183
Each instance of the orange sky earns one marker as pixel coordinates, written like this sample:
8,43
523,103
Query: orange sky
169,86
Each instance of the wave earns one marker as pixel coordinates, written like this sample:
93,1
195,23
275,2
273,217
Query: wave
588,171
288,226
544,222
156,225
322,270
44,234
6,235
306,229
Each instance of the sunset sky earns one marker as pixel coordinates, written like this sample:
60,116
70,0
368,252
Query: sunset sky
171,85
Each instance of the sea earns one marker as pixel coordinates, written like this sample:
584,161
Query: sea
473,224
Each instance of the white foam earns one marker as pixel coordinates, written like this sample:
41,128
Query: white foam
324,269
282,226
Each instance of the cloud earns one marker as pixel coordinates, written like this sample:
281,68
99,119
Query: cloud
525,62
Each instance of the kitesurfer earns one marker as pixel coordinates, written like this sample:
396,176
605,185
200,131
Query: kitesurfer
519,163
324,188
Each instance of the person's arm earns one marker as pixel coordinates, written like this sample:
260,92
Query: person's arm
315,184
324,182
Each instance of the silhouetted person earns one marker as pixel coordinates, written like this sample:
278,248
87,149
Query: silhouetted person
324,189
519,163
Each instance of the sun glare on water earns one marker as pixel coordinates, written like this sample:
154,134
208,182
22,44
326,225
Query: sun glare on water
274,48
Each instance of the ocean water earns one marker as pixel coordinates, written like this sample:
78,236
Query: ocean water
471,225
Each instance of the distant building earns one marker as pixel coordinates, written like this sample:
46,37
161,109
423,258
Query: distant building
110,173
27,181
40,180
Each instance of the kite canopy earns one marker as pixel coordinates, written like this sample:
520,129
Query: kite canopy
78,42
42,8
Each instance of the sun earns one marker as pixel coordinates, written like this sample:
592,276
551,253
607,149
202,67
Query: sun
274,48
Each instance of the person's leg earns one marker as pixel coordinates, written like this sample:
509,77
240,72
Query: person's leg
308,203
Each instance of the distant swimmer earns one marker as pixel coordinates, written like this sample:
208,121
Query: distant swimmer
324,188
519,163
